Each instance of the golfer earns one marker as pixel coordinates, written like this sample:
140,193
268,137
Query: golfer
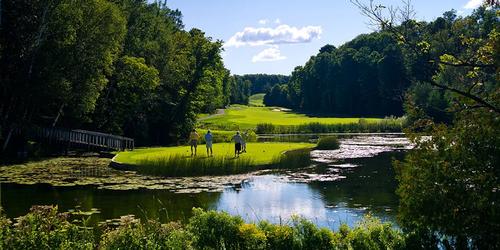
193,141
208,142
237,144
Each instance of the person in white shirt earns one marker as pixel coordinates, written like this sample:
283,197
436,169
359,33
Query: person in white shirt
208,141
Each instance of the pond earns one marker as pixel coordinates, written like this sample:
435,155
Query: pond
342,187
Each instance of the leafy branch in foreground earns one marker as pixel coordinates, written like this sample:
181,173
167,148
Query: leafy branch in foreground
470,53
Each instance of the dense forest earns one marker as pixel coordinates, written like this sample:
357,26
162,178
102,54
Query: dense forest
374,73
365,76
125,67
243,86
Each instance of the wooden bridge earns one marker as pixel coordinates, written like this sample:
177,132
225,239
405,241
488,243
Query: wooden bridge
83,139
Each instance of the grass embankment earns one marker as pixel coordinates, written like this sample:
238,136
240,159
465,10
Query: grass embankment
46,228
177,161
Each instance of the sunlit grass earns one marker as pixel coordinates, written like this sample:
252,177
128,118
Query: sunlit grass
260,153
243,117
256,100
177,161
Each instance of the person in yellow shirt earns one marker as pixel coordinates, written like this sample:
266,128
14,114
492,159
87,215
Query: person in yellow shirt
193,141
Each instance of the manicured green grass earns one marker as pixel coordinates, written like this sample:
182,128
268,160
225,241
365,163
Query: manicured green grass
259,153
243,117
256,100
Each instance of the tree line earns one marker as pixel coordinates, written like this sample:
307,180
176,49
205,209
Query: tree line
125,67
364,77
374,74
243,86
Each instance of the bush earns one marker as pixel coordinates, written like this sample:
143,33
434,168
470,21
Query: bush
45,228
132,234
217,230
328,143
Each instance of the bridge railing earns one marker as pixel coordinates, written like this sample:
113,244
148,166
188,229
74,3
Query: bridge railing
84,138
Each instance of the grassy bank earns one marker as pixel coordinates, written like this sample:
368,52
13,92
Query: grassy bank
177,161
45,228
240,117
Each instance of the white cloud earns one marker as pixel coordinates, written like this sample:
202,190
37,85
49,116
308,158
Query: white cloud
282,34
263,21
268,55
277,21
472,4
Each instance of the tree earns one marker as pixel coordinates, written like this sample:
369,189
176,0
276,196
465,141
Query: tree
448,183
55,60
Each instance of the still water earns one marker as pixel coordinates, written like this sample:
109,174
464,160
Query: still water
344,185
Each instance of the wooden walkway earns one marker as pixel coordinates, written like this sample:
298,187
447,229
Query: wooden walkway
83,139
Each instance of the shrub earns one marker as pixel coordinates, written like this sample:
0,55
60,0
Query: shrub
328,143
278,236
371,234
4,229
213,229
45,228
132,234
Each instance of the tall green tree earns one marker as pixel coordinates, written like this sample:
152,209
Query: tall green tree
55,60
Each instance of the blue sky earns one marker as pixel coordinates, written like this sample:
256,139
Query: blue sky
275,36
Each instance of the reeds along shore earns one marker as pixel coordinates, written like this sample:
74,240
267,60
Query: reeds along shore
385,125
179,165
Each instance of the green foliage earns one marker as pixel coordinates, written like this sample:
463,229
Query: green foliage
125,67
385,125
365,76
448,182
132,234
246,85
328,143
217,230
45,228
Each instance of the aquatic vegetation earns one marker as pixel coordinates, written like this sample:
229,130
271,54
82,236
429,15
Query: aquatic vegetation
293,159
328,143
93,171
175,161
357,126
178,165
45,228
